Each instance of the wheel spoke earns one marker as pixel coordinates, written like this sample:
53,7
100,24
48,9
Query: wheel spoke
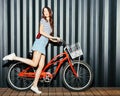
16,70
25,82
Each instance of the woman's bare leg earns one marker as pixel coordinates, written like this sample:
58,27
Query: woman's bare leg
39,69
34,62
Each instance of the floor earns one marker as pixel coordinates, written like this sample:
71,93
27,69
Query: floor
61,91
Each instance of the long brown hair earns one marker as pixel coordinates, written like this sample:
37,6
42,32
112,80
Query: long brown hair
51,20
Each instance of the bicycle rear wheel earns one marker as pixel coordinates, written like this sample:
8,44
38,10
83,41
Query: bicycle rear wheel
16,82
84,79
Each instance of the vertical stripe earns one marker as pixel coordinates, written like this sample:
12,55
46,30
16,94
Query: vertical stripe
18,28
61,22
12,26
1,40
37,16
105,35
84,27
79,20
49,3
24,34
42,3
55,24
67,21
96,67
5,30
30,25
91,32
118,45
73,21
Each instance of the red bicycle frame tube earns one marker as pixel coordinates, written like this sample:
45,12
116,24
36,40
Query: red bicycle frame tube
65,57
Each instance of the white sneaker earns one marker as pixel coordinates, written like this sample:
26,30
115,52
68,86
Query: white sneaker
9,57
35,89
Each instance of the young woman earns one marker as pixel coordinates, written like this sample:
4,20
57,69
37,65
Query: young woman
38,60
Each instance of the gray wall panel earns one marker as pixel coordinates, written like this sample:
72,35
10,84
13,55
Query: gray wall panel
118,45
67,20
30,39
105,38
18,30
96,59
79,20
12,25
1,39
93,23
25,22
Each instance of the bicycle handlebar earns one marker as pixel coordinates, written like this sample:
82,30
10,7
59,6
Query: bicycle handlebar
63,42
60,43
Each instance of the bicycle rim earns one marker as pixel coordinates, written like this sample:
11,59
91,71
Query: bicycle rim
16,82
84,79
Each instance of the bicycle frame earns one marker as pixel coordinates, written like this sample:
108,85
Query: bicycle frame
63,57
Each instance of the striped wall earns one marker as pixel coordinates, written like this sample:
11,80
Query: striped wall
93,23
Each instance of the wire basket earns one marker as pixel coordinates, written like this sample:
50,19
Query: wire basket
74,50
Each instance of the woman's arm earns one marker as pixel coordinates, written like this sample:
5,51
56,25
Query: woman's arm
53,39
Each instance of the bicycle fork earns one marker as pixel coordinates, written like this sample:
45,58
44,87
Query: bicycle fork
72,68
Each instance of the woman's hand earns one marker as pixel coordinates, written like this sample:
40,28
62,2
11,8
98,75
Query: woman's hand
55,39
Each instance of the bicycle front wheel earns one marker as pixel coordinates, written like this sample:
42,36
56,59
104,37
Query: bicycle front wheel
16,82
84,79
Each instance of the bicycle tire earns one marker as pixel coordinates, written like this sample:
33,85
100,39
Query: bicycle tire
16,82
84,79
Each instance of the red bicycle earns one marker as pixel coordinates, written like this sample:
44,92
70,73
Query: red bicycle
77,75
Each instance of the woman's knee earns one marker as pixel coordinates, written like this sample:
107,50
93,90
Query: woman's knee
35,64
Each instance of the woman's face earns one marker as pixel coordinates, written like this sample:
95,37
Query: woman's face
46,12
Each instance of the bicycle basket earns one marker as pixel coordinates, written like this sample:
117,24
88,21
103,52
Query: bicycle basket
74,50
